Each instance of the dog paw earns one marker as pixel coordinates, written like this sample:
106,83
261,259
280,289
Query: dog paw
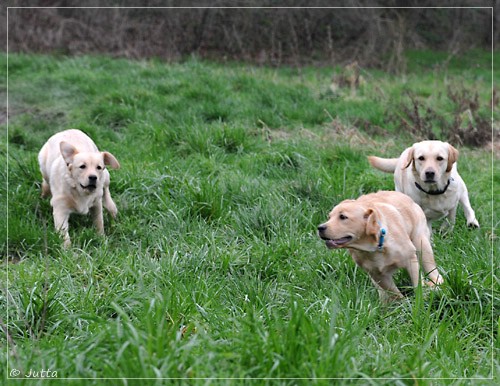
473,224
111,207
433,282
445,229
113,212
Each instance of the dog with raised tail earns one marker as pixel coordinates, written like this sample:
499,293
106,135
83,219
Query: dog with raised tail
74,172
427,172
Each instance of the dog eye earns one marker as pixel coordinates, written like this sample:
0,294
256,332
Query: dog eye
421,158
343,217
83,166
99,167
440,158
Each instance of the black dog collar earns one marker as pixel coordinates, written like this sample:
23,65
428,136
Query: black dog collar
434,192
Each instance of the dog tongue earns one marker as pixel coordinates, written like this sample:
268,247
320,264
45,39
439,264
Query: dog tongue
337,243
330,244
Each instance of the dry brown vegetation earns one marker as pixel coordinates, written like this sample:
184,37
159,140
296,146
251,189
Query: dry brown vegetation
467,126
271,36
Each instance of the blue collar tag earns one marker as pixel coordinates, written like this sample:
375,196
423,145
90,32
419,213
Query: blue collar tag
381,238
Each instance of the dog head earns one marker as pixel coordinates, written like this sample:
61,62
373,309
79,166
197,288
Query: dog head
432,161
86,168
351,225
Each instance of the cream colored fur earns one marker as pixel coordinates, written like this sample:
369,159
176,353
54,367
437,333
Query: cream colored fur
432,165
357,224
74,173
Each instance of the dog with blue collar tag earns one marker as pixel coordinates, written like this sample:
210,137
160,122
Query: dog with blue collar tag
384,232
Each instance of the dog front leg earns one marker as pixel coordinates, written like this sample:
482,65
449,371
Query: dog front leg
61,223
428,262
108,202
96,212
45,189
387,289
468,211
429,226
448,222
413,269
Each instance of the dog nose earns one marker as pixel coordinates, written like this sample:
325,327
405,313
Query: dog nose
92,178
321,228
430,175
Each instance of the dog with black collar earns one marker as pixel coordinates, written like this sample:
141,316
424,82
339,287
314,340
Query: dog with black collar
427,172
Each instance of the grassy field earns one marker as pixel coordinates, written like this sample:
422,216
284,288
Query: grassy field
213,268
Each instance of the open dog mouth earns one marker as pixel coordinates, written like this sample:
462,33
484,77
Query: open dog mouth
337,243
89,187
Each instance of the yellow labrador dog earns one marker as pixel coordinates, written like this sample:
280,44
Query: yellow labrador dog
74,172
427,172
383,232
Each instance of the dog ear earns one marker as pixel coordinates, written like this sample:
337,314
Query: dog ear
452,157
372,217
409,158
109,159
68,151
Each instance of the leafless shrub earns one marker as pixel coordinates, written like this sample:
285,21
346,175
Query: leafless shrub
474,133
467,127
272,36
463,99
417,119
494,99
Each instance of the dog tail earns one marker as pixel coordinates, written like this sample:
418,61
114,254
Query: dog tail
387,165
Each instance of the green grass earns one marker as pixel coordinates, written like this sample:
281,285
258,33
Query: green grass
226,172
